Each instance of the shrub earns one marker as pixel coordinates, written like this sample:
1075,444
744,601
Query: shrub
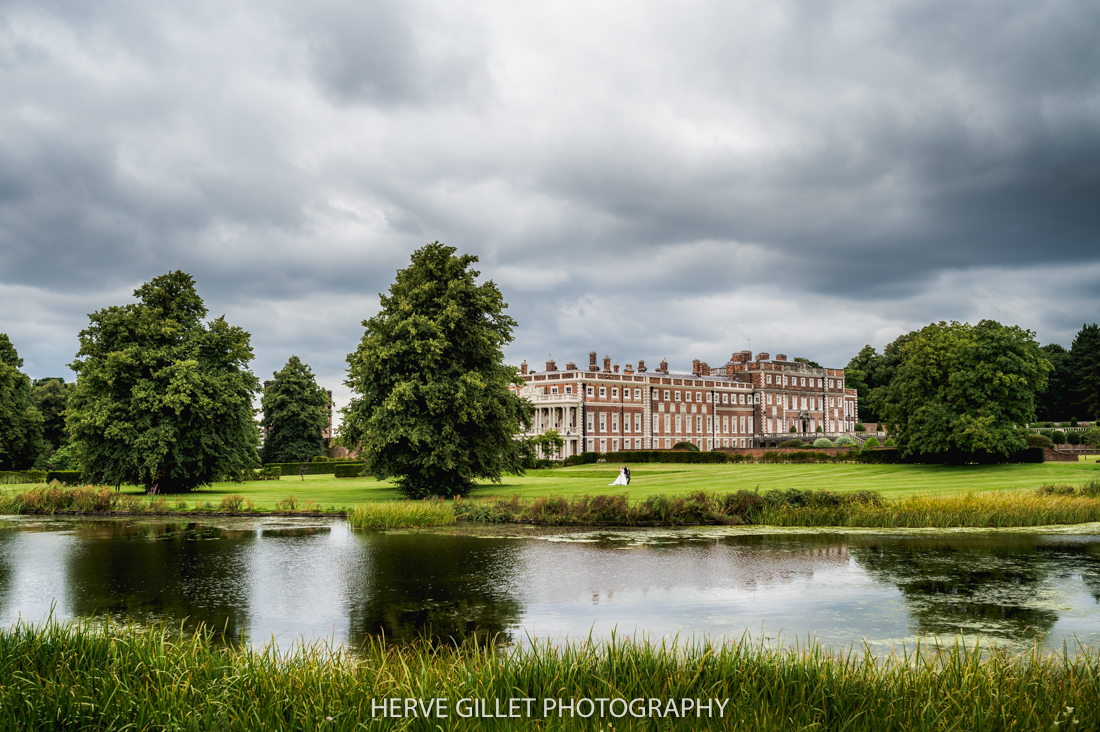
823,442
1039,441
860,428
348,470
1048,489
1072,421
1073,438
1091,488
71,477
819,429
270,472
686,446
793,430
791,443
889,442
231,502
290,503
871,442
845,441
1058,437
312,468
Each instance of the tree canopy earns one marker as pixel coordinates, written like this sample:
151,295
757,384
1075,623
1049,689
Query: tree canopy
163,400
1085,364
51,397
962,388
1056,401
433,405
20,422
296,413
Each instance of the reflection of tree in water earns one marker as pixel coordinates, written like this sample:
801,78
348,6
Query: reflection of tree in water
1090,569
7,539
432,585
960,584
166,572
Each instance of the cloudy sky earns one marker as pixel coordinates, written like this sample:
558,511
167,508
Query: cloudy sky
644,179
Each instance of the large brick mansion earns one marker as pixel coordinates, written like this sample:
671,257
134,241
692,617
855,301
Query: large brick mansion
750,402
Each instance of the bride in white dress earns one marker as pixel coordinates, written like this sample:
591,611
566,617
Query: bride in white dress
621,480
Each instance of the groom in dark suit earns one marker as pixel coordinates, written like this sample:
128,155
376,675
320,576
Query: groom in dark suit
626,469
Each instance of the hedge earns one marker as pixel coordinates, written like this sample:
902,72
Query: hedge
325,468
348,470
69,477
22,476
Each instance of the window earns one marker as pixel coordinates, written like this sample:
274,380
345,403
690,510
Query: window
699,396
615,392
831,382
742,426
637,393
626,393
666,395
769,378
668,421
589,421
784,381
603,392
742,398
603,445
614,446
699,424
725,398
553,390
614,423
588,390
603,423
832,401
769,398
708,398
726,425
637,423
677,396
568,390
710,424
656,423
679,423
591,445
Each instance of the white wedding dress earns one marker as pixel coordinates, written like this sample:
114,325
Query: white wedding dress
621,480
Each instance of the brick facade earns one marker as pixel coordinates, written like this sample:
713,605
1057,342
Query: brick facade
748,403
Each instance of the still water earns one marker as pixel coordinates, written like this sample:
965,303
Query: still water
307,579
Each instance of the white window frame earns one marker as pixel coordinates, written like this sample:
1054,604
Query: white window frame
603,392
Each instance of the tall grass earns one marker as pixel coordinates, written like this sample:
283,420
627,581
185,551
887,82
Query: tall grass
994,509
115,678
394,514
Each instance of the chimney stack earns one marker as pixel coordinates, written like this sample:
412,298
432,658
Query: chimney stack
607,364
695,366
629,369
641,366
592,361
570,366
551,366
616,368
523,367
664,366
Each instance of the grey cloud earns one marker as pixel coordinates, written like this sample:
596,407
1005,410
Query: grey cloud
645,179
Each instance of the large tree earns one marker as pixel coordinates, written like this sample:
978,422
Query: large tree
296,413
20,422
433,405
162,399
1085,357
51,397
964,389
1055,402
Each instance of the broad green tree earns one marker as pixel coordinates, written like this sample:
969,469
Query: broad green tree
296,413
1055,402
1085,357
434,406
965,389
51,397
859,375
20,422
162,399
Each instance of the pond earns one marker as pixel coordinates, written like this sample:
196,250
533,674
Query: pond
288,579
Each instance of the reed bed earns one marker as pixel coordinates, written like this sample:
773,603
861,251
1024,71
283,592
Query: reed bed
406,514
132,678
992,510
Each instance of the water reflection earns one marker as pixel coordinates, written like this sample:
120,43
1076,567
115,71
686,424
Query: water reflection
187,573
436,586
285,579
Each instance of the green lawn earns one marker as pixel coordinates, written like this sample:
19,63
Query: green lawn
649,479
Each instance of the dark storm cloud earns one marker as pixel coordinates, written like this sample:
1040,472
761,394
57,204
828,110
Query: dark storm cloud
645,179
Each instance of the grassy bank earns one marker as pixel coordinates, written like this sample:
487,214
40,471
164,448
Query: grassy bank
891,481
70,677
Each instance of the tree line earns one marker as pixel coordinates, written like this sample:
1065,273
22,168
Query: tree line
163,398
957,387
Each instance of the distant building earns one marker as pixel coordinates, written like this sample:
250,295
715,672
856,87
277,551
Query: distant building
749,402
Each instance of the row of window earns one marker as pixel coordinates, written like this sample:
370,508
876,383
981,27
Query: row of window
801,381
613,445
